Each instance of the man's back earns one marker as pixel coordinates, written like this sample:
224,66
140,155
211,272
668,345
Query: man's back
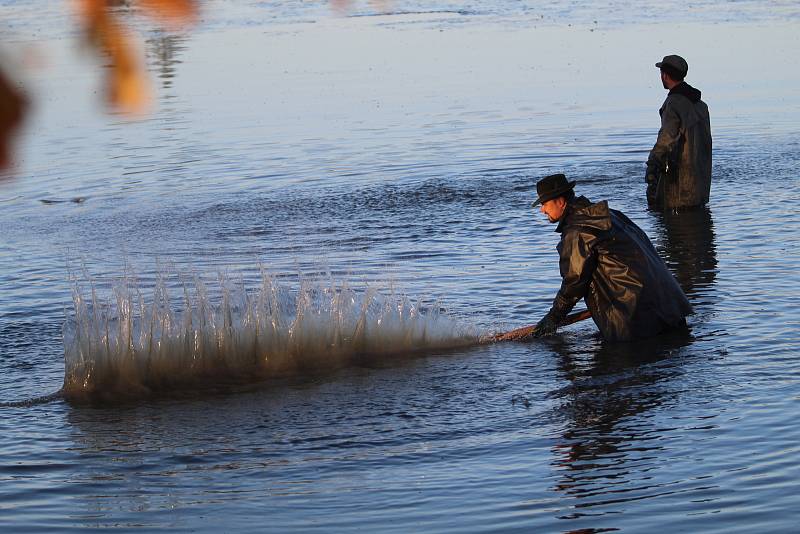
631,292
679,165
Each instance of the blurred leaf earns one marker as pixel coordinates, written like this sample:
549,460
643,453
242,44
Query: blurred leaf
171,12
127,84
127,87
13,108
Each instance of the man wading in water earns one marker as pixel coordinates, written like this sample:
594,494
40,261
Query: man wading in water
679,165
609,262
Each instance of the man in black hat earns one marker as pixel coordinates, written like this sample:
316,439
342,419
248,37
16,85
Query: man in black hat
609,262
679,165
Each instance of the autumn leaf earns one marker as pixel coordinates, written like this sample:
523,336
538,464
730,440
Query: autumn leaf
127,83
13,107
172,13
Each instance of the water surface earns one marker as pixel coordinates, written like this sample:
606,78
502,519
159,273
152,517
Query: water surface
400,152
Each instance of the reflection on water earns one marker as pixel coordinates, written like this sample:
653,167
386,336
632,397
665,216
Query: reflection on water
686,241
611,441
162,52
134,455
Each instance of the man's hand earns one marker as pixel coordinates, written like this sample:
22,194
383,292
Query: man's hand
546,326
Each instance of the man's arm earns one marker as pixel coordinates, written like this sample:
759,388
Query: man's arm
577,262
668,136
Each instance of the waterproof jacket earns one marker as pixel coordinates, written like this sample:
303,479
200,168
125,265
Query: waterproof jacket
609,262
680,161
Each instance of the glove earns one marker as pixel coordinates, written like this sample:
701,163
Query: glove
546,326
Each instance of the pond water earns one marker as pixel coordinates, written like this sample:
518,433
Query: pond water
358,186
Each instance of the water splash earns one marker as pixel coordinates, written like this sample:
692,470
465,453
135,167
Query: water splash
183,335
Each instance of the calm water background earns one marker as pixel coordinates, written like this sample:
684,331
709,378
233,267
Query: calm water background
403,149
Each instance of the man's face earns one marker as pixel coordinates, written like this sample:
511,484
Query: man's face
664,80
554,209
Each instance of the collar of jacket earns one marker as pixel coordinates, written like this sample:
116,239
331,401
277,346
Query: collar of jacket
684,89
581,212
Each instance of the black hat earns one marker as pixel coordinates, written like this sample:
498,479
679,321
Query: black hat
677,63
551,187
